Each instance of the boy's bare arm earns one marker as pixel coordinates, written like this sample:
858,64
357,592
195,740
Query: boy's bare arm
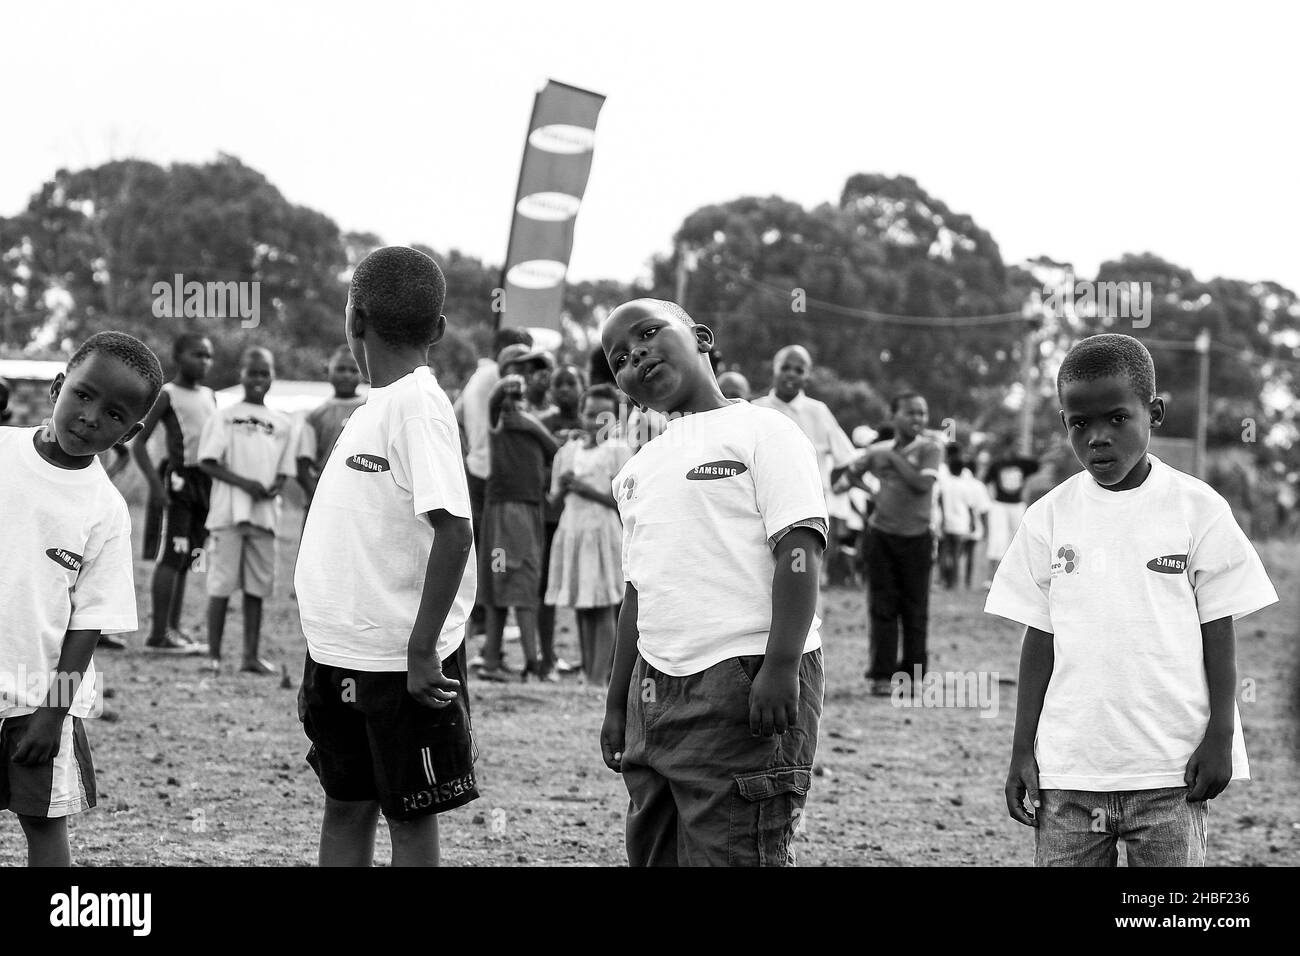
219,472
1037,656
1210,768
613,732
452,538
140,446
40,740
774,698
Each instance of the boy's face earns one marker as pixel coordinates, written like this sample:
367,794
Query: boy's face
910,418
597,413
1109,427
96,405
196,360
344,375
565,391
791,376
256,375
538,378
658,361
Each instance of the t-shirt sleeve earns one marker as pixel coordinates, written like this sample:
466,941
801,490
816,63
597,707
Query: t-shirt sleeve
214,439
424,454
1226,574
787,481
103,599
930,459
287,463
1023,579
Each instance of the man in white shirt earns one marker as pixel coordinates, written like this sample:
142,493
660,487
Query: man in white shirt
791,367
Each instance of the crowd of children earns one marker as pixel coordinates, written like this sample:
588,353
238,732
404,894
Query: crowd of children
532,493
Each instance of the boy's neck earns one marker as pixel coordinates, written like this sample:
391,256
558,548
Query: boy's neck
1143,470
52,453
706,398
345,398
254,399
385,367
184,381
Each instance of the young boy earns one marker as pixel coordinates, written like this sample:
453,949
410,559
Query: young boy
900,544
324,423
385,583
563,421
182,491
66,551
513,532
247,450
1128,577
716,691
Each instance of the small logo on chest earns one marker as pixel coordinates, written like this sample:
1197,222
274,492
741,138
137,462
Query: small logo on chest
1168,564
66,558
371,463
713,470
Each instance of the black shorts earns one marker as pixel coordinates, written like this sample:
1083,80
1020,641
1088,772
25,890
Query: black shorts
188,494
370,740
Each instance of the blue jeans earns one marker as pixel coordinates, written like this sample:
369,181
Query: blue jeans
1083,828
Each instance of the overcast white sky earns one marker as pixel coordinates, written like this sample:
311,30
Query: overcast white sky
1076,130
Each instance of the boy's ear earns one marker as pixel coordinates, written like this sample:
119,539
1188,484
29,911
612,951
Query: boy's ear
354,320
1061,412
704,336
1157,409
131,433
439,330
56,386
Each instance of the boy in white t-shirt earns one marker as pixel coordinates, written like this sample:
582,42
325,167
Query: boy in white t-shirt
1128,577
386,583
717,683
247,450
66,553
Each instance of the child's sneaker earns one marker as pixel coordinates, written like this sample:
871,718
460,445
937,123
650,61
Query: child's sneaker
258,666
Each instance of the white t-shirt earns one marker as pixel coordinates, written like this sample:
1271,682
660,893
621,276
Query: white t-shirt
1123,580
699,504
65,547
364,551
473,408
254,442
833,447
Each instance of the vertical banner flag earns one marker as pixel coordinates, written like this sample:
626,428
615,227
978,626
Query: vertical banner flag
557,162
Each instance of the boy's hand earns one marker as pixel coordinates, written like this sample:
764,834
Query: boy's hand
40,740
613,734
1209,769
566,481
774,699
426,682
1022,779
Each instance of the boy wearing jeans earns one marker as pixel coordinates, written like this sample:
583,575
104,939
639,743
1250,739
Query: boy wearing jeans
717,683
1128,577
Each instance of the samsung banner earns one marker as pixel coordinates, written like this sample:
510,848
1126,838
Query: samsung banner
557,162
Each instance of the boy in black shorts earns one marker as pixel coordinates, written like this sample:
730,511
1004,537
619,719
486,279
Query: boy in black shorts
385,582
66,552
182,490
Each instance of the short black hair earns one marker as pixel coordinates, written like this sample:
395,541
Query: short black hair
510,335
1110,353
570,371
128,350
900,398
256,350
598,370
184,341
607,392
400,293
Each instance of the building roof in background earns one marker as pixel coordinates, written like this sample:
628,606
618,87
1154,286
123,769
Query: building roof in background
286,395
33,369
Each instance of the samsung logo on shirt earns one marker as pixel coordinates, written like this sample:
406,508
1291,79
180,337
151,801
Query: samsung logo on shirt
66,558
1169,564
371,463
713,470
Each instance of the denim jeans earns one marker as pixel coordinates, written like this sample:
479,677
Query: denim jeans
704,791
1158,827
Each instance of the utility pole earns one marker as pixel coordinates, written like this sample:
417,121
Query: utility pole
1202,346
685,266
1028,361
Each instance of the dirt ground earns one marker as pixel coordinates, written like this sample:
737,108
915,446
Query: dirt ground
201,771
